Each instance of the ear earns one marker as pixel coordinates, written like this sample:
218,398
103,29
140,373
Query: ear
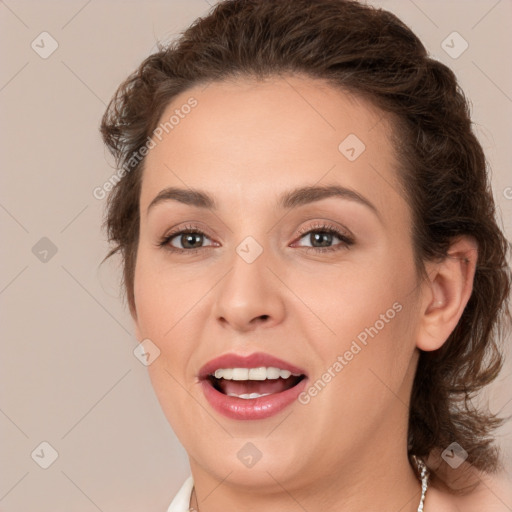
446,292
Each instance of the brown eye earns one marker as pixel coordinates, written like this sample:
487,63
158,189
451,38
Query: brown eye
323,238
188,240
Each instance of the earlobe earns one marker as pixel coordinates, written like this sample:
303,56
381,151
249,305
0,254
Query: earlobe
446,292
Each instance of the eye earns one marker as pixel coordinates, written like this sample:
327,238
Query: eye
189,239
322,236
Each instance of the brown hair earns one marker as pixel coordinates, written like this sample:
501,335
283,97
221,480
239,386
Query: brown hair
371,53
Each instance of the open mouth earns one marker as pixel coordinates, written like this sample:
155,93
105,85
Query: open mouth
251,387
251,383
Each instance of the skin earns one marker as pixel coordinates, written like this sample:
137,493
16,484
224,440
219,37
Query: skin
246,143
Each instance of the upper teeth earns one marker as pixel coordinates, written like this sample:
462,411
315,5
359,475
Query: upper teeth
260,373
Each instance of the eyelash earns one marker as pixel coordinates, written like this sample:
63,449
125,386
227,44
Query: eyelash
346,241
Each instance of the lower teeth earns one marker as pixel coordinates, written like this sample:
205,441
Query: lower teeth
248,396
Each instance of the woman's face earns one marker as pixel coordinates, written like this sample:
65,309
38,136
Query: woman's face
323,282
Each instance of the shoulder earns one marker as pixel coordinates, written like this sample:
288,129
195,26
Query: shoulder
493,494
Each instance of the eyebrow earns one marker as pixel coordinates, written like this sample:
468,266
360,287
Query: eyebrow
291,199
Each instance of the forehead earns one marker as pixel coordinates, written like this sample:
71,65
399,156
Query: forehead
249,138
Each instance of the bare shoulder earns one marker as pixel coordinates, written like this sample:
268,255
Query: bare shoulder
494,494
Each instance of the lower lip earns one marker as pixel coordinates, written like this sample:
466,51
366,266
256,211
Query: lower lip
252,408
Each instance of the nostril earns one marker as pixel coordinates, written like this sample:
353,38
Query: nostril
261,318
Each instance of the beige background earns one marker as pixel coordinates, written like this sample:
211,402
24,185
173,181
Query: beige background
69,376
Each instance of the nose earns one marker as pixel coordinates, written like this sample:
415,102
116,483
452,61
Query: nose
249,296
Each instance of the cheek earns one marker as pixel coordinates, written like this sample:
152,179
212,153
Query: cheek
158,300
369,310
363,370
170,312
357,294
160,305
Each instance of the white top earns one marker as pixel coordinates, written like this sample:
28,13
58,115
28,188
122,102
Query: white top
181,502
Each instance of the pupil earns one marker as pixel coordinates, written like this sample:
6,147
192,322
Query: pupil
189,237
326,237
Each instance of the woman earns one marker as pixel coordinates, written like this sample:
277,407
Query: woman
311,254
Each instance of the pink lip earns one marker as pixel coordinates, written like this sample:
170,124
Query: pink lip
256,408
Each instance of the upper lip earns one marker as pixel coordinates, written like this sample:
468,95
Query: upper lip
254,360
